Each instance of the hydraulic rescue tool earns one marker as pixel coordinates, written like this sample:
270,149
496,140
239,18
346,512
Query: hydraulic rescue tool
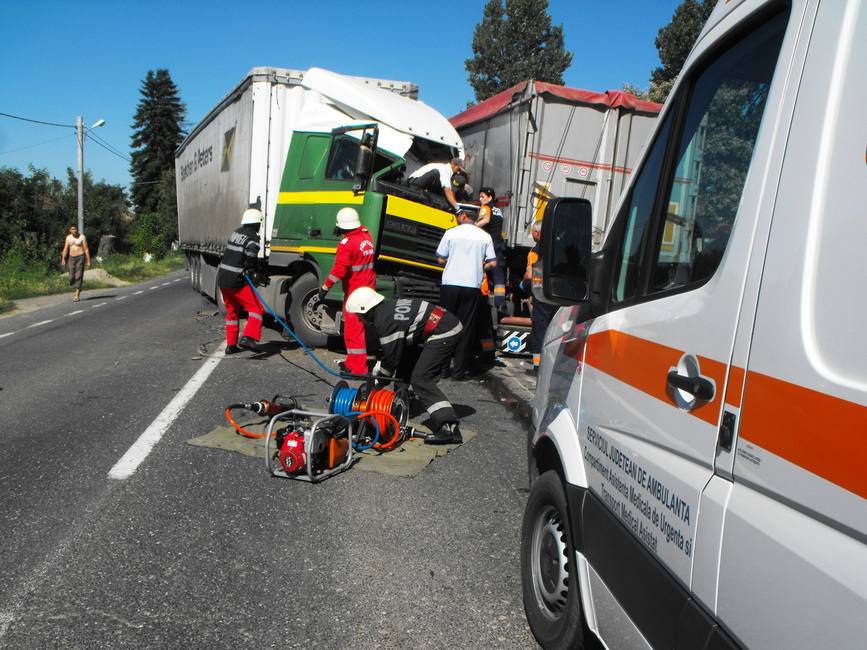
313,445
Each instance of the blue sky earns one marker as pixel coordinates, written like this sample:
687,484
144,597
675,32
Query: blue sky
61,59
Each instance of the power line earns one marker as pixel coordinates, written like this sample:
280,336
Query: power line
108,148
31,146
27,119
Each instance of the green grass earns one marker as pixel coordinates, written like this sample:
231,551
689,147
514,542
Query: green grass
17,283
134,269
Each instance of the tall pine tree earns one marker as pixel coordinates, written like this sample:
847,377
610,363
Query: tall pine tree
157,133
674,43
515,43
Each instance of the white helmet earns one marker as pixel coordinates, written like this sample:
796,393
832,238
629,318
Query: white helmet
251,216
362,300
347,219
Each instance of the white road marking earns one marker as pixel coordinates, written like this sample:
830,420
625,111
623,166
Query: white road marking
135,455
3,336
73,313
42,322
120,297
138,292
156,286
165,284
99,305
177,279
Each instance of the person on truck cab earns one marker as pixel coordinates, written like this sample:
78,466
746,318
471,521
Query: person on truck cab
405,322
446,179
353,267
240,258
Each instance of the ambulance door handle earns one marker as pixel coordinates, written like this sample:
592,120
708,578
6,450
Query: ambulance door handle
698,387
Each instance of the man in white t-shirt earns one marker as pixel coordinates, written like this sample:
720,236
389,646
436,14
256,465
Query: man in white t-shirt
447,179
466,251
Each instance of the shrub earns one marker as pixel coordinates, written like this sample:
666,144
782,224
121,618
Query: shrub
150,235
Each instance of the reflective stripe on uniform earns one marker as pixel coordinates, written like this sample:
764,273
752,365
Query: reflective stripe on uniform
452,332
391,337
356,351
333,279
233,247
500,289
361,267
418,318
253,314
232,322
234,269
438,406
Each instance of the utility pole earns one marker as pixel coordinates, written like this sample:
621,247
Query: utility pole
79,133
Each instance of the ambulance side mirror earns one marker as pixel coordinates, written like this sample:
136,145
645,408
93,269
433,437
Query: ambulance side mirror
567,228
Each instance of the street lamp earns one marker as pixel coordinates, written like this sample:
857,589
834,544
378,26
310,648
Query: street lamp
79,130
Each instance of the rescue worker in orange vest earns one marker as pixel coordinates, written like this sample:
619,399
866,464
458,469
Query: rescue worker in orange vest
353,267
542,311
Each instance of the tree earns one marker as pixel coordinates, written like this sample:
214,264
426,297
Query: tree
515,43
674,43
641,93
157,133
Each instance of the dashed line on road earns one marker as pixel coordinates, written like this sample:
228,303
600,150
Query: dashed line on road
177,279
121,297
73,313
156,286
141,448
138,292
3,336
165,284
42,322
99,305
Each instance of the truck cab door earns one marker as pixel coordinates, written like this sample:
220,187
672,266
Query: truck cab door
658,354
318,180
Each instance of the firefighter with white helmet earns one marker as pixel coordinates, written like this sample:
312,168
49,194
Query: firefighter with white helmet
403,322
353,267
241,257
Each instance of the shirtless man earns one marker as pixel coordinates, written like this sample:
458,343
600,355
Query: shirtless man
76,246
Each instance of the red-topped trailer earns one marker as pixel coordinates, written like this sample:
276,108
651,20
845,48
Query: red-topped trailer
536,141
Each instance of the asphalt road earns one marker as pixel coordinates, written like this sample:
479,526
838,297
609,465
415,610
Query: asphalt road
201,547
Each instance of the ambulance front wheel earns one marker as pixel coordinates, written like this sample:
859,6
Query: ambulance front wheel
549,577
308,317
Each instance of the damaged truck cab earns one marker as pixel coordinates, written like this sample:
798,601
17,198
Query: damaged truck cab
302,145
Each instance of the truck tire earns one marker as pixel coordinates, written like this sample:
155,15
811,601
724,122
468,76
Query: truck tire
302,311
549,578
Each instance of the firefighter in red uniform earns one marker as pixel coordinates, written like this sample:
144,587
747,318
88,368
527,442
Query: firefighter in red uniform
353,266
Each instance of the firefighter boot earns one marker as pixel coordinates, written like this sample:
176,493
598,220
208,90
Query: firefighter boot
246,343
447,434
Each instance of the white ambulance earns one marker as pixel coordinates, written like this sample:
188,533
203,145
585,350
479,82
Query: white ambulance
699,455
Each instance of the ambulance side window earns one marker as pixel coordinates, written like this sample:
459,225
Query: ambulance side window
675,235
720,129
636,236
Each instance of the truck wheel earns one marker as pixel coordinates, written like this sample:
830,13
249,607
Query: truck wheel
549,577
309,318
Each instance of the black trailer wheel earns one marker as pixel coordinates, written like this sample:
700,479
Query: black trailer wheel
549,577
310,320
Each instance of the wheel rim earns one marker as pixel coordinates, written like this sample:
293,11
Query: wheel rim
315,314
550,561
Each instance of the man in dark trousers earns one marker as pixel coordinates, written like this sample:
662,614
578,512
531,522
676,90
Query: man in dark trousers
543,311
353,268
405,322
466,252
240,257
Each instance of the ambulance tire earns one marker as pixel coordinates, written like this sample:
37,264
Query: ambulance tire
549,577
303,292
